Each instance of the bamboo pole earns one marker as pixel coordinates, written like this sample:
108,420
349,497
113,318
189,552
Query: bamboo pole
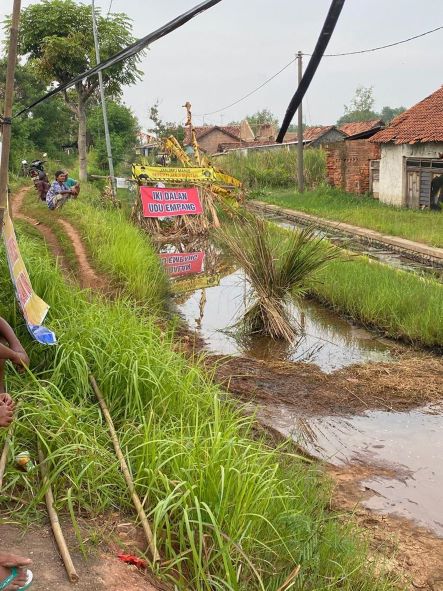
127,475
4,456
7,112
53,518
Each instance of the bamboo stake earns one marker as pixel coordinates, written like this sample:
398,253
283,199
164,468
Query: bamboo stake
4,456
124,468
53,518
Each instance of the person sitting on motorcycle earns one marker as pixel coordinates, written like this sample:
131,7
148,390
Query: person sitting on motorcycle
59,192
72,184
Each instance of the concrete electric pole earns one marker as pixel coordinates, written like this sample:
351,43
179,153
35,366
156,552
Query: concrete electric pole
103,101
300,173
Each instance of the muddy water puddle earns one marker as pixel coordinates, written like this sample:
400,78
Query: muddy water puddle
404,449
325,339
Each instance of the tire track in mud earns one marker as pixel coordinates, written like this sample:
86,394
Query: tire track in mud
85,275
48,234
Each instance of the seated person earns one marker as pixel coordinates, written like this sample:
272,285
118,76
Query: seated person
59,192
10,349
41,185
72,184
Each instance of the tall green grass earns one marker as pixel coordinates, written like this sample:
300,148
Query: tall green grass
275,168
334,204
115,246
227,511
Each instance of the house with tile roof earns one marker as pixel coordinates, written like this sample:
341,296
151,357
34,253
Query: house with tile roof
210,137
322,134
411,162
359,130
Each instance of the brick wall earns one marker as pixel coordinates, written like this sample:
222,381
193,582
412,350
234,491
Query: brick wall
210,142
348,164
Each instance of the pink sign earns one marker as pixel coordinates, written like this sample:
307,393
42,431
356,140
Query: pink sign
183,263
159,202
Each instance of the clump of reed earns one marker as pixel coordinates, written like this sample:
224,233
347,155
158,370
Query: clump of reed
278,269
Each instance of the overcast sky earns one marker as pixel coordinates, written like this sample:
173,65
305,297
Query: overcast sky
232,48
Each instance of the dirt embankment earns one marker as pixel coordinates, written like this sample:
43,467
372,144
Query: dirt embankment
407,383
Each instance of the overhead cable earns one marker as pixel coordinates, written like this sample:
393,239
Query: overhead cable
322,43
370,50
127,52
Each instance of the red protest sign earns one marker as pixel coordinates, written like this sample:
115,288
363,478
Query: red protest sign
161,202
183,263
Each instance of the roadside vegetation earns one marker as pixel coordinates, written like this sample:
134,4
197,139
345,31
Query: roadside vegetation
260,170
228,512
333,204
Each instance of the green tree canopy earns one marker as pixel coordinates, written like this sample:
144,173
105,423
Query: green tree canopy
123,129
165,128
361,108
46,128
265,116
57,38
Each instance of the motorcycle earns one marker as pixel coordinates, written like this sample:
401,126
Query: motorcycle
36,170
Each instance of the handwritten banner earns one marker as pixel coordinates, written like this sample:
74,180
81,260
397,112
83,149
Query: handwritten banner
33,308
164,173
159,202
183,263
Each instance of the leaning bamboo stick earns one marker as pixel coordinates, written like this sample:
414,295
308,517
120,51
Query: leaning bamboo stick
53,518
124,468
4,456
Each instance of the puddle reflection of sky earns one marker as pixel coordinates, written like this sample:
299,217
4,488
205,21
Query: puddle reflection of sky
326,340
409,444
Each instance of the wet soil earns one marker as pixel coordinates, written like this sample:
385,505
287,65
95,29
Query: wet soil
100,571
412,554
407,383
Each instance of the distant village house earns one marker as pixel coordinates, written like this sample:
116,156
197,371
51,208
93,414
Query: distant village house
411,163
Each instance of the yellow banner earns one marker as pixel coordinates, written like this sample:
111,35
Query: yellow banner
164,173
201,281
227,179
34,309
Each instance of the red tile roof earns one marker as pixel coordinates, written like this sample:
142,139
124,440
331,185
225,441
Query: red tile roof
311,134
360,126
421,123
232,130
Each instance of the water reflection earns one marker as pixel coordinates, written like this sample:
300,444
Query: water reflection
324,339
410,444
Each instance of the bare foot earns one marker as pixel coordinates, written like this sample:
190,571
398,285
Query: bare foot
7,562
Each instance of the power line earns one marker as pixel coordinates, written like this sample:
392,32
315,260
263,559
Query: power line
127,52
372,49
320,47
249,93
382,46
109,9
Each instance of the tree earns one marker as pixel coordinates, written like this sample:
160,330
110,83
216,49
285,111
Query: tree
389,113
263,117
123,129
57,37
360,107
165,128
46,128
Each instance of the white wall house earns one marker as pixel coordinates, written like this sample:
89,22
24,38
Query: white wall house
411,164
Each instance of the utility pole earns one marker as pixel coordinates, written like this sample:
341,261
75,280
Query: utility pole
103,101
300,172
7,113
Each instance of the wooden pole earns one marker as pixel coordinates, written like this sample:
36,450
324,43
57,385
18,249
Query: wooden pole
7,111
53,518
300,172
127,475
4,456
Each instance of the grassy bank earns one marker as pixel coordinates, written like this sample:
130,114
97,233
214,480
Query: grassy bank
274,168
227,512
400,304
333,204
116,247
